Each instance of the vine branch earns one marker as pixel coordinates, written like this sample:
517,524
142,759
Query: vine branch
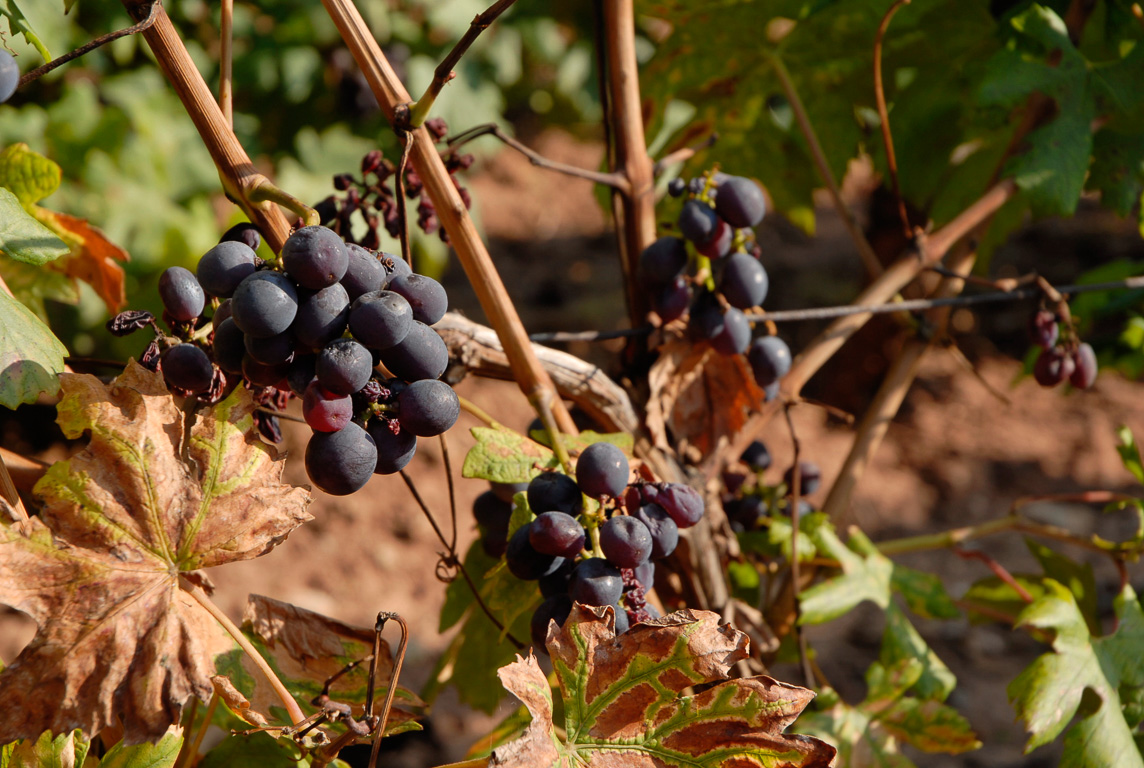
884,115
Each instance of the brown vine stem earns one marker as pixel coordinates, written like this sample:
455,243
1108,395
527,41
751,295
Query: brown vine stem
419,110
532,379
195,591
191,757
237,172
10,495
884,115
865,252
226,62
795,576
379,731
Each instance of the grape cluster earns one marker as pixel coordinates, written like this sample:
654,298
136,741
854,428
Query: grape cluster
314,324
1063,357
602,556
720,276
749,501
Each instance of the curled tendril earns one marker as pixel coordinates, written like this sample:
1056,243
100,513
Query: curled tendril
448,568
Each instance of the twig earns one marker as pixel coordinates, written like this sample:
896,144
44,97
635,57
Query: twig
280,414
884,115
614,180
558,337
59,61
998,570
682,155
795,492
25,472
865,252
226,62
419,110
9,494
192,753
195,591
379,731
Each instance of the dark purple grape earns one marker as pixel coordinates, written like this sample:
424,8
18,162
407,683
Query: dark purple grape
734,335
664,532
422,354
602,470
1053,366
557,582
745,512
770,359
186,367
395,449
622,623
554,492
771,391
1043,329
676,187
229,346
524,562
365,273
556,533
322,316
740,202
682,502
555,608
492,513
182,296
223,267
697,185
315,257
810,477
395,265
596,582
743,281
494,543
626,541
507,492
663,260
673,300
264,304
325,411
652,611
428,408
424,294
341,462
756,456
644,573
262,375
272,350
343,366
301,373
1084,371
698,222
720,243
9,75
381,320
245,233
220,314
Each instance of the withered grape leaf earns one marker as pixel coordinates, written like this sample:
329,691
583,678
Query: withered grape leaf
124,522
627,700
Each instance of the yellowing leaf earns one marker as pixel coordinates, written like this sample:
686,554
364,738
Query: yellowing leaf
626,701
29,175
124,522
506,457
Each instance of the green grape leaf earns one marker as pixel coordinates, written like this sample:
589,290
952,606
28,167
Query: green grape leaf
160,754
901,642
29,175
502,456
31,357
32,286
1084,677
924,593
624,700
48,751
929,726
1129,452
19,25
1117,169
23,238
258,748
1077,578
866,575
107,567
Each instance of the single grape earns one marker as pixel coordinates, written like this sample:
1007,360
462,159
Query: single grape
186,367
698,222
557,533
422,354
720,243
644,573
264,304
626,541
322,316
262,375
664,532
740,202
673,300
602,470
1053,366
301,373
507,492
596,582
621,622
1043,329
9,75
734,335
770,360
676,187
325,411
682,502
182,296
229,346
663,260
428,408
745,512
381,320
341,462
315,257
424,294
364,274
343,366
810,477
557,582
743,281
494,543
555,608
554,492
697,185
652,611
523,561
245,233
220,314
1084,371
756,456
272,350
492,513
395,265
223,267
394,449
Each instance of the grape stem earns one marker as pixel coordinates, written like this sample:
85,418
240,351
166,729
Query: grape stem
471,408
262,190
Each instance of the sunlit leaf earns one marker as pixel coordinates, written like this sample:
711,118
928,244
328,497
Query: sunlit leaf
24,239
31,357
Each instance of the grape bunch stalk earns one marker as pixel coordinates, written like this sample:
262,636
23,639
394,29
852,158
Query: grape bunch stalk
316,323
715,281
595,556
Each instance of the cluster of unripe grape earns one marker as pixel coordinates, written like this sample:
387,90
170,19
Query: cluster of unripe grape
604,555
1062,358
721,275
749,501
316,323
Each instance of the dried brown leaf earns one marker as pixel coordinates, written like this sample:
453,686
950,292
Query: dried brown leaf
99,570
236,702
